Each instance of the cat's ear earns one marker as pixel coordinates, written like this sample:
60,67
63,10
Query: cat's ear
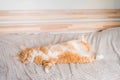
83,37
22,47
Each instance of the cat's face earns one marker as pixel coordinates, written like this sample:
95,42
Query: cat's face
26,55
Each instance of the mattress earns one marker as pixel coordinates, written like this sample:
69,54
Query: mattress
106,42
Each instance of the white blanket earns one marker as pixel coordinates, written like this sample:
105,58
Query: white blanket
106,42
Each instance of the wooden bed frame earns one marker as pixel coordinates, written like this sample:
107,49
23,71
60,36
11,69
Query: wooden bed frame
58,20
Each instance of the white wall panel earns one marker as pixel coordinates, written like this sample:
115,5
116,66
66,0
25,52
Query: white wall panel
58,4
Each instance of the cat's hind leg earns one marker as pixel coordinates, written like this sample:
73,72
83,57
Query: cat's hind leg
46,65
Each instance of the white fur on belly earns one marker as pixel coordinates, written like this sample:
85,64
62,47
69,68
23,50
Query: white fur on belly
79,49
53,53
35,53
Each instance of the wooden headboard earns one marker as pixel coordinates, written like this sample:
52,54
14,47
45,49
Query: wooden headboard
58,20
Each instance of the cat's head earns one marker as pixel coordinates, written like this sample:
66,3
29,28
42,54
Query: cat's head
25,55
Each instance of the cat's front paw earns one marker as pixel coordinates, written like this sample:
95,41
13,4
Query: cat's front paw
47,70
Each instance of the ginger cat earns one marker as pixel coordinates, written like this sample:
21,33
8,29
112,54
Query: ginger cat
75,51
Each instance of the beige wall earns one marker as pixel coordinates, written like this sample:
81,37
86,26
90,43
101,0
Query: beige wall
58,4
62,23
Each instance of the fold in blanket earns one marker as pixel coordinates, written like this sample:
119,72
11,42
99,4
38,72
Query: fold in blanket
105,42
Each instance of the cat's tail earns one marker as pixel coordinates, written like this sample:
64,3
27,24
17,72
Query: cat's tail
99,57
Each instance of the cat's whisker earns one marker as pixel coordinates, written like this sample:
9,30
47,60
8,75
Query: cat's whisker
16,57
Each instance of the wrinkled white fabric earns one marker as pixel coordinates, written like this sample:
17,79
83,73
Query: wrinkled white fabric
106,43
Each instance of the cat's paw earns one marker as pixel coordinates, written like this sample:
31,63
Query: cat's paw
47,70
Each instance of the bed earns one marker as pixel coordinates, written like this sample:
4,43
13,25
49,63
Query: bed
34,28
106,42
